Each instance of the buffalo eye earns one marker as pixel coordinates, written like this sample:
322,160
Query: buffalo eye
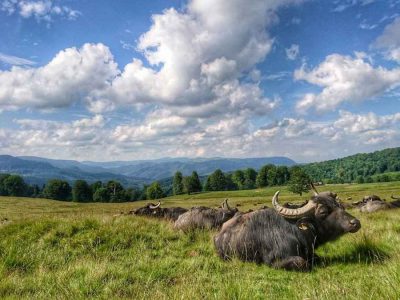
322,211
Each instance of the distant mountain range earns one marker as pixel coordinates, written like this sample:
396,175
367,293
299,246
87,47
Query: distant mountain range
38,170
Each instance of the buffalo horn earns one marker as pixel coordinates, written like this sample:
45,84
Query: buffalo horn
292,213
314,189
395,198
225,204
155,206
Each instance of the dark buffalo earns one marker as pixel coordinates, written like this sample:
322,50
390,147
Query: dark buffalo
205,217
285,237
374,203
170,213
366,199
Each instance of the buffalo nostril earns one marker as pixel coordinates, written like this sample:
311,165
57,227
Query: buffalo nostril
355,222
355,225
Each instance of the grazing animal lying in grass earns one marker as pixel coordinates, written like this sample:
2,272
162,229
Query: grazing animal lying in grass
170,213
205,217
366,199
374,203
285,237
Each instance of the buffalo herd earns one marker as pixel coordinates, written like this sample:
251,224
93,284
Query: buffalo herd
284,236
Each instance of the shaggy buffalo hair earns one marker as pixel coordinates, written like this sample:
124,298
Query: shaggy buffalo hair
170,213
204,217
265,236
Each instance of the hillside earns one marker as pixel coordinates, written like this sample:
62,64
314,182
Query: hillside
348,169
130,173
41,170
156,170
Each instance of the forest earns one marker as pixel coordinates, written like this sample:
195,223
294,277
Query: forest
379,166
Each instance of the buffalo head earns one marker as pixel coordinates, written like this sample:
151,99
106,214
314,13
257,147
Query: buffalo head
148,210
324,212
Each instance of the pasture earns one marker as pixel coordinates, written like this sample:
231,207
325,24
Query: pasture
64,250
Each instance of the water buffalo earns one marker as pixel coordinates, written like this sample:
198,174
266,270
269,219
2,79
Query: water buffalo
205,217
285,237
170,213
365,199
374,203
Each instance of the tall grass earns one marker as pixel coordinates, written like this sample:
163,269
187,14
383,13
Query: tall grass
51,249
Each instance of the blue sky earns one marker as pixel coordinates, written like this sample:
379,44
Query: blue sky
108,80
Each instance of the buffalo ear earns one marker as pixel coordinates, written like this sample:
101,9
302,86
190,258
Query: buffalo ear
303,224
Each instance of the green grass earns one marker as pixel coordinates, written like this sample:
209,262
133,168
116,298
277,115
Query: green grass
51,249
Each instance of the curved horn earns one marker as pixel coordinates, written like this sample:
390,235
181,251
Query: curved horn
395,198
225,203
292,213
155,206
314,189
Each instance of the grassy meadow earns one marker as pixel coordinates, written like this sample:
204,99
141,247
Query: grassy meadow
64,250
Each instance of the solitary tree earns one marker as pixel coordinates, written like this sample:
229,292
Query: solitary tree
299,181
177,185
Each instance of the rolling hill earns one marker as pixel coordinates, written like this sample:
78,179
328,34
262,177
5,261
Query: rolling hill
38,170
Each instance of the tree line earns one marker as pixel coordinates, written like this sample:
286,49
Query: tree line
114,191
268,175
359,168
80,191
380,166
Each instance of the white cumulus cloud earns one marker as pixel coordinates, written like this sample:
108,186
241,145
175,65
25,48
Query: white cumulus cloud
345,79
196,62
73,74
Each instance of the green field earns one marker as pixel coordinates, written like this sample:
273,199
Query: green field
52,249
